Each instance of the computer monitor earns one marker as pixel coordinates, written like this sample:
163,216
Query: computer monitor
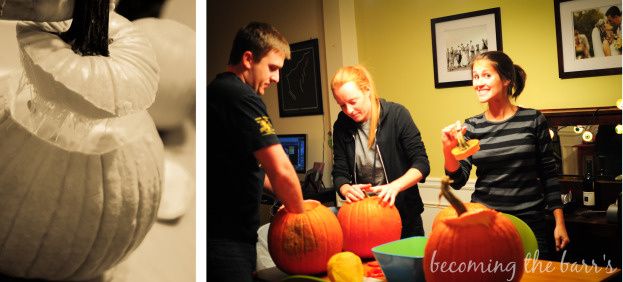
295,146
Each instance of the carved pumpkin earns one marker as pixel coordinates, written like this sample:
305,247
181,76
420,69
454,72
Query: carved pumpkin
367,224
303,243
478,245
78,191
174,44
99,86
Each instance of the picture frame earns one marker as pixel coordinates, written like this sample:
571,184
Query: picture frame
578,55
457,38
299,88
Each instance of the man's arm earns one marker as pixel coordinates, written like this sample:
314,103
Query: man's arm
283,179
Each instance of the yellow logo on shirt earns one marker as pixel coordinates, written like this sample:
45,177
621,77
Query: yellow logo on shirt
266,128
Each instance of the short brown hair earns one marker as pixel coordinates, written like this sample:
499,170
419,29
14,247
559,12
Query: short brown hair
259,38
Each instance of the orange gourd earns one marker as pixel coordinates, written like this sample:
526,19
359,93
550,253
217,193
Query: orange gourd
367,224
476,245
303,243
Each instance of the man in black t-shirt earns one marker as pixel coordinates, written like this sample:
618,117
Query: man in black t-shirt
242,147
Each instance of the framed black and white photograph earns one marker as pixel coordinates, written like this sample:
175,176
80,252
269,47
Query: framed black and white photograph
299,88
457,39
588,37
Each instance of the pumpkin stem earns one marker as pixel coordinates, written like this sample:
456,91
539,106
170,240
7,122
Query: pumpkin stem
452,199
459,136
88,33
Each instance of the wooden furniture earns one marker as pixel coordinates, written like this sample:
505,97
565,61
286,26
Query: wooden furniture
534,270
590,115
592,236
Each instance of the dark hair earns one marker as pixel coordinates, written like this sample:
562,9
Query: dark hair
613,11
503,64
259,38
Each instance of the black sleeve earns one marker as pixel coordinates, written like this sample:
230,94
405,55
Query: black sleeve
341,174
411,141
548,169
256,127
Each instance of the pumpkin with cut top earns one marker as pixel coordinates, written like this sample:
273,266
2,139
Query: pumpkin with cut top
474,245
303,243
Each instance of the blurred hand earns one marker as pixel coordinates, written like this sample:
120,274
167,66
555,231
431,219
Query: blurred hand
354,192
387,193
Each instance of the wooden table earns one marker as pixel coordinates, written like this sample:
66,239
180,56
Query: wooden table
542,270
535,270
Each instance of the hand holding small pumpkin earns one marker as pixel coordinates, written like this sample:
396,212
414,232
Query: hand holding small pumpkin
448,136
354,192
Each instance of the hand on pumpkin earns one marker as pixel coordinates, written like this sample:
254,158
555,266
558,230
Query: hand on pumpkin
354,192
387,193
560,237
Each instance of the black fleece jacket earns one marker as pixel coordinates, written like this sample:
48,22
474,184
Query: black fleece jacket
401,148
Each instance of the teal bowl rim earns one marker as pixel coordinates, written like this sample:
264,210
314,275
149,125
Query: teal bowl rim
374,250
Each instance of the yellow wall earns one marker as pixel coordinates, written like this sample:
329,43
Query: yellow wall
394,41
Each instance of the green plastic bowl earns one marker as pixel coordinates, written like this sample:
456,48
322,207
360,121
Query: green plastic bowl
402,260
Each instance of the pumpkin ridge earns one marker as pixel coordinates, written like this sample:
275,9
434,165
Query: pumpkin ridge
127,213
71,268
72,228
115,189
87,263
18,145
324,240
19,212
53,217
23,198
510,228
138,215
140,230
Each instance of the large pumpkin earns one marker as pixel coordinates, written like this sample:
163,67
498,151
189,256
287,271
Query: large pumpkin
81,174
174,44
367,224
478,245
303,243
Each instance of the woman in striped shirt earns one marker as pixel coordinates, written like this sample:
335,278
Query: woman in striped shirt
515,167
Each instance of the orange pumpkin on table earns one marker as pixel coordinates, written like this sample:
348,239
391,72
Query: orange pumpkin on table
475,245
303,243
367,224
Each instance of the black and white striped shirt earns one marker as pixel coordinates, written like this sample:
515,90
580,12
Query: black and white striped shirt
515,167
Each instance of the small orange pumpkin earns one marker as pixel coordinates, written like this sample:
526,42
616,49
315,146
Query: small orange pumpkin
477,245
367,224
303,243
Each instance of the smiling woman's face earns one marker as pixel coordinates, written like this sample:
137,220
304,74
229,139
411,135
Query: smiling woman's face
354,102
487,81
